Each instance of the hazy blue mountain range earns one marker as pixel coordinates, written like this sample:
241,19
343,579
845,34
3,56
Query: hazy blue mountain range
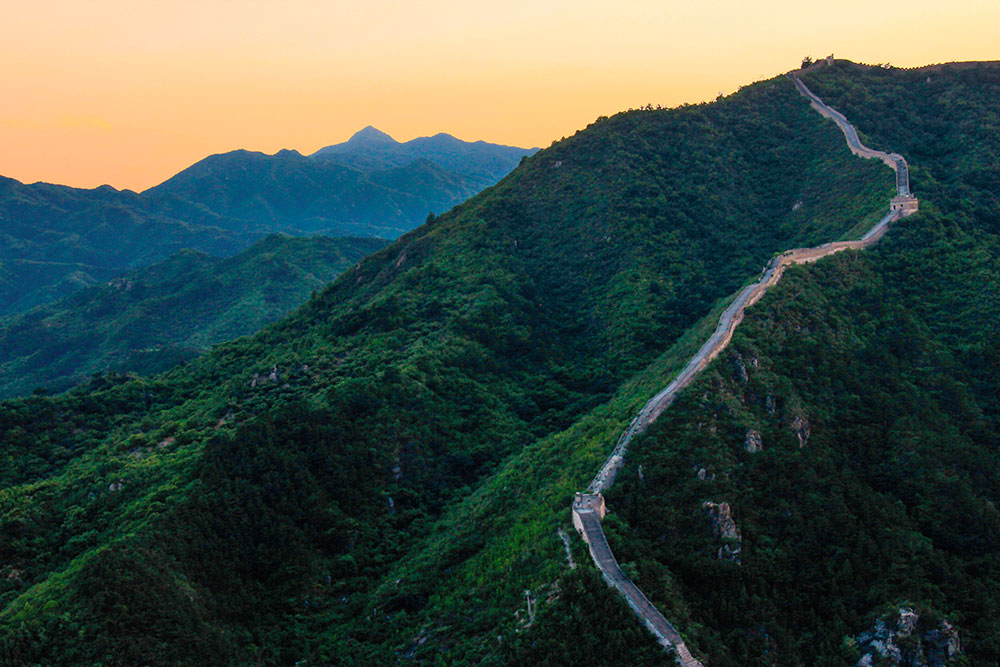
150,319
55,239
372,150
384,476
399,483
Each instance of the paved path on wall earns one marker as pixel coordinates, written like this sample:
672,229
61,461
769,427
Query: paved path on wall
593,534
651,617
894,160
733,315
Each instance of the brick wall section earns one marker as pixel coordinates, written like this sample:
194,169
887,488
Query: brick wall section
589,508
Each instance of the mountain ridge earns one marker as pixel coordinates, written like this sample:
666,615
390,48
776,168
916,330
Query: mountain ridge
371,149
331,458
54,238
166,313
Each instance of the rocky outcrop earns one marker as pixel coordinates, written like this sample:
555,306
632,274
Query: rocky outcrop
720,514
801,427
753,443
741,369
120,284
725,529
905,639
261,378
702,473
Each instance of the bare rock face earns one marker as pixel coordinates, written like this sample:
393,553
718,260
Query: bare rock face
702,473
725,529
904,639
741,369
261,378
801,427
120,284
753,442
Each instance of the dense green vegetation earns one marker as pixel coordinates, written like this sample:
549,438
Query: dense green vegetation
889,357
358,188
890,499
55,239
398,486
153,318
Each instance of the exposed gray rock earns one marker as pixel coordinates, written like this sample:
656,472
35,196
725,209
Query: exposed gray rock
729,552
260,378
702,472
722,520
120,284
801,427
770,404
725,529
903,639
741,369
753,442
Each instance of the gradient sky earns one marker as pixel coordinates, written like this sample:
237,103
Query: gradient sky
130,92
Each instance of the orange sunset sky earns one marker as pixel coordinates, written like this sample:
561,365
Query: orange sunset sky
129,93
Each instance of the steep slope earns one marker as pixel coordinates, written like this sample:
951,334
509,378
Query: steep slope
353,506
839,463
589,507
150,319
292,193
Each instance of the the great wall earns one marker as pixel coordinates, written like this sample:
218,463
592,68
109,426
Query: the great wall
589,508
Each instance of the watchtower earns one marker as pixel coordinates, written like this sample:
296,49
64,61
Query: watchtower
906,203
587,503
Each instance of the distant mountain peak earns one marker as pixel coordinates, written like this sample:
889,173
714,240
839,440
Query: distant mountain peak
371,135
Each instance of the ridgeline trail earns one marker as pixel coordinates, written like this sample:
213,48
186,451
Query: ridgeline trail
589,507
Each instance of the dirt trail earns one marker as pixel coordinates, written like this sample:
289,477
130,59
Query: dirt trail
589,521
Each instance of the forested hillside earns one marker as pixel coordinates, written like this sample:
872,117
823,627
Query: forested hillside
382,474
55,239
870,382
149,320
348,193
